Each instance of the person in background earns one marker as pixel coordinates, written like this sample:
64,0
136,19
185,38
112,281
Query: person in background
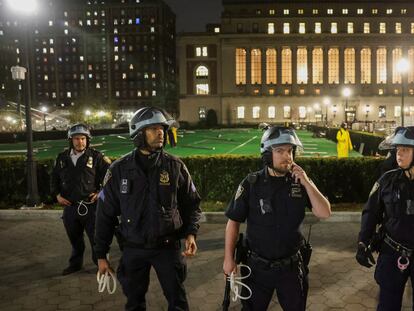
344,144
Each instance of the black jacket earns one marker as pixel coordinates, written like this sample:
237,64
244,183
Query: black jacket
164,203
76,183
391,203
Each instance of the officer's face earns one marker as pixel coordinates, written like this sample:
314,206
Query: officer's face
282,157
79,142
404,156
154,136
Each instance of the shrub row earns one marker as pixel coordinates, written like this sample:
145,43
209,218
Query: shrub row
216,178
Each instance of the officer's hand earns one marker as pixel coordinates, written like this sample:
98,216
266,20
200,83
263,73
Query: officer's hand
93,196
299,174
62,201
364,256
103,266
190,246
229,266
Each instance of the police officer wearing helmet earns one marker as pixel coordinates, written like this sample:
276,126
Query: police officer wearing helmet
387,223
153,195
272,201
75,182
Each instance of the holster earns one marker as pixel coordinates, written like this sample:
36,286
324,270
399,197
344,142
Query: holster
306,252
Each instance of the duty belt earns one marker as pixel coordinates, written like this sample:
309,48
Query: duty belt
277,263
163,243
397,246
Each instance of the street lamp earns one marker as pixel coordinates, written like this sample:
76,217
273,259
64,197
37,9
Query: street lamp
25,8
44,110
326,102
402,67
346,92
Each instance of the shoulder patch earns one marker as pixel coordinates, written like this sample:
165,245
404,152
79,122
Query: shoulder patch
239,192
107,177
107,160
252,178
374,188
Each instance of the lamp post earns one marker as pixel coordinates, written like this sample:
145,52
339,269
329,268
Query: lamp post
367,110
44,110
26,8
326,102
346,92
402,68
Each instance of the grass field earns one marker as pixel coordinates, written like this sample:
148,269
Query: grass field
198,142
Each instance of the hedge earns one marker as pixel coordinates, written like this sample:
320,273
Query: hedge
216,178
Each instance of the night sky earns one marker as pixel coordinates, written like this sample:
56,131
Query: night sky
193,15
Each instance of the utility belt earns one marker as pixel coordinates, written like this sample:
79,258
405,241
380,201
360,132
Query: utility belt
277,263
162,243
399,248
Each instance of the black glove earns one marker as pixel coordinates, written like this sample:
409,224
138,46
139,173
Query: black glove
364,256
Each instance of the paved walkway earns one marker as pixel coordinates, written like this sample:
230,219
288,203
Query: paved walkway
34,252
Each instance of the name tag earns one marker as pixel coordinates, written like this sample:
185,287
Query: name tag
296,191
125,186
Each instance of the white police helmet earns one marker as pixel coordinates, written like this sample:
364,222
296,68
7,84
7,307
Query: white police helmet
403,136
277,135
79,129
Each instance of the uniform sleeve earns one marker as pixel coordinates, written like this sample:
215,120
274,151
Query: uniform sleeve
102,165
108,209
238,208
55,179
188,203
371,214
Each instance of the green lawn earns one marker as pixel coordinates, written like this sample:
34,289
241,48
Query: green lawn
198,142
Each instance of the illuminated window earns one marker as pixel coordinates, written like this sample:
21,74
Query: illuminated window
403,11
344,11
256,112
270,66
317,66
202,113
205,53
315,11
302,28
286,12
241,66
329,11
412,27
398,28
383,28
286,66
256,66
286,91
217,29
350,27
333,66
271,91
389,11
271,28
397,111
286,28
286,112
202,89
240,112
46,77
349,66
68,94
360,11
202,72
334,27
271,112
382,111
410,72
302,112
366,65
396,56
201,51
374,11
302,66
366,28
271,12
318,27
381,65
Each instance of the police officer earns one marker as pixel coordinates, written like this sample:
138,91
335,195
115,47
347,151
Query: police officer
153,195
75,182
390,206
273,202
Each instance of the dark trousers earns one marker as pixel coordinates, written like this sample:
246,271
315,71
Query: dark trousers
134,276
391,280
290,283
75,225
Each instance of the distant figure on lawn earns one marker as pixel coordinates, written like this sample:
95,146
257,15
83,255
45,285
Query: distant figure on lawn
344,144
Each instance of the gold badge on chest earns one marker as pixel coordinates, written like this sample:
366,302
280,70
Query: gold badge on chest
164,178
90,162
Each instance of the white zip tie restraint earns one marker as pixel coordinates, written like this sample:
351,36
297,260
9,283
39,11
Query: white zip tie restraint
83,204
236,281
104,281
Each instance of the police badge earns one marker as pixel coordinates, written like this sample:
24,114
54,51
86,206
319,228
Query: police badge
164,178
90,162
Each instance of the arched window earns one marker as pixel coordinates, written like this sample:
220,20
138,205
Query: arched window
202,85
241,66
333,66
366,65
396,56
256,69
317,66
270,66
349,56
286,66
202,72
381,65
302,68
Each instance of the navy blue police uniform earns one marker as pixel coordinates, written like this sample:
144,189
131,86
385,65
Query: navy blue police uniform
391,204
157,204
76,183
274,209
